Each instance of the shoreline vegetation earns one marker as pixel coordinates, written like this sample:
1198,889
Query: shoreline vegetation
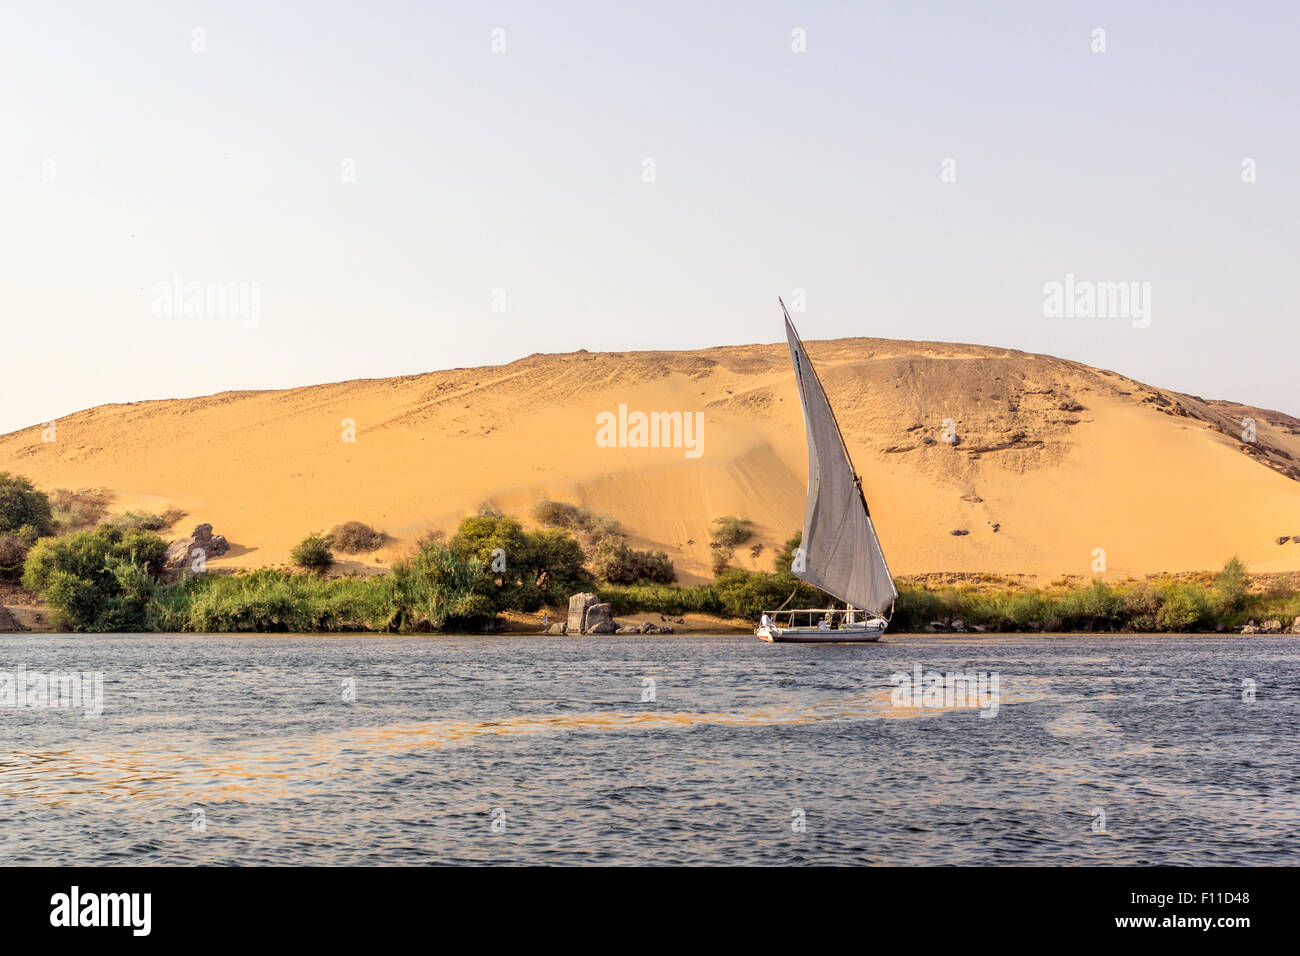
493,575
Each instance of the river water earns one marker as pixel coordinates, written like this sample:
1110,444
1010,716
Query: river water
658,750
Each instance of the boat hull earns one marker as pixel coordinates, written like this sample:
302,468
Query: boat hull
812,635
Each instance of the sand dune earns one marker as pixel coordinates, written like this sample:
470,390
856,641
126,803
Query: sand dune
1063,458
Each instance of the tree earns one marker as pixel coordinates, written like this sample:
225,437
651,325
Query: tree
554,562
1232,583
529,567
22,507
490,538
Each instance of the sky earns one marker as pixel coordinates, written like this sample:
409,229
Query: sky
403,187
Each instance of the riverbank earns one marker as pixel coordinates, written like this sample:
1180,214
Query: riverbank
285,602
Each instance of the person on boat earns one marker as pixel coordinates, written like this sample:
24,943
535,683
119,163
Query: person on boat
823,624
765,621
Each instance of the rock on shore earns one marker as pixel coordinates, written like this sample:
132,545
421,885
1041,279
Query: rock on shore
181,553
587,615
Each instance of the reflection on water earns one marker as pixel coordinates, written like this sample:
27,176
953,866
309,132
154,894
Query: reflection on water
395,750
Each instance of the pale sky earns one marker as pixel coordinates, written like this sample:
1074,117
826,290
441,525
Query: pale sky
127,157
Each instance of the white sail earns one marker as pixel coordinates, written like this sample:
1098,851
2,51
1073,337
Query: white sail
840,552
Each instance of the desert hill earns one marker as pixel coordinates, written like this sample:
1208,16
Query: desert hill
1058,457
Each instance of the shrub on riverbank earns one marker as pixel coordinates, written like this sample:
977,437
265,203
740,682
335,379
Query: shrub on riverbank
100,580
74,510
608,555
435,590
108,579
313,553
661,598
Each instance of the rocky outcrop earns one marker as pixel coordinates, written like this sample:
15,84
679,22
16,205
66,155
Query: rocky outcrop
644,628
557,629
588,616
181,553
1273,626
600,620
578,605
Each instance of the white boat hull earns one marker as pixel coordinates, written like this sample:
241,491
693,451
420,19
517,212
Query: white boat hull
861,634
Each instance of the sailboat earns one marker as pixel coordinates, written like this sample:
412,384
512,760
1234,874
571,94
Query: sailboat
840,553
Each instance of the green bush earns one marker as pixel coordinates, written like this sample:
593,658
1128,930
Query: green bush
1142,608
139,521
557,514
1095,608
748,593
268,600
100,580
1185,607
614,561
438,589
915,608
433,591
731,532
313,552
560,514
22,506
664,599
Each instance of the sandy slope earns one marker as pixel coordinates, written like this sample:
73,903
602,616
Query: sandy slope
1160,480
